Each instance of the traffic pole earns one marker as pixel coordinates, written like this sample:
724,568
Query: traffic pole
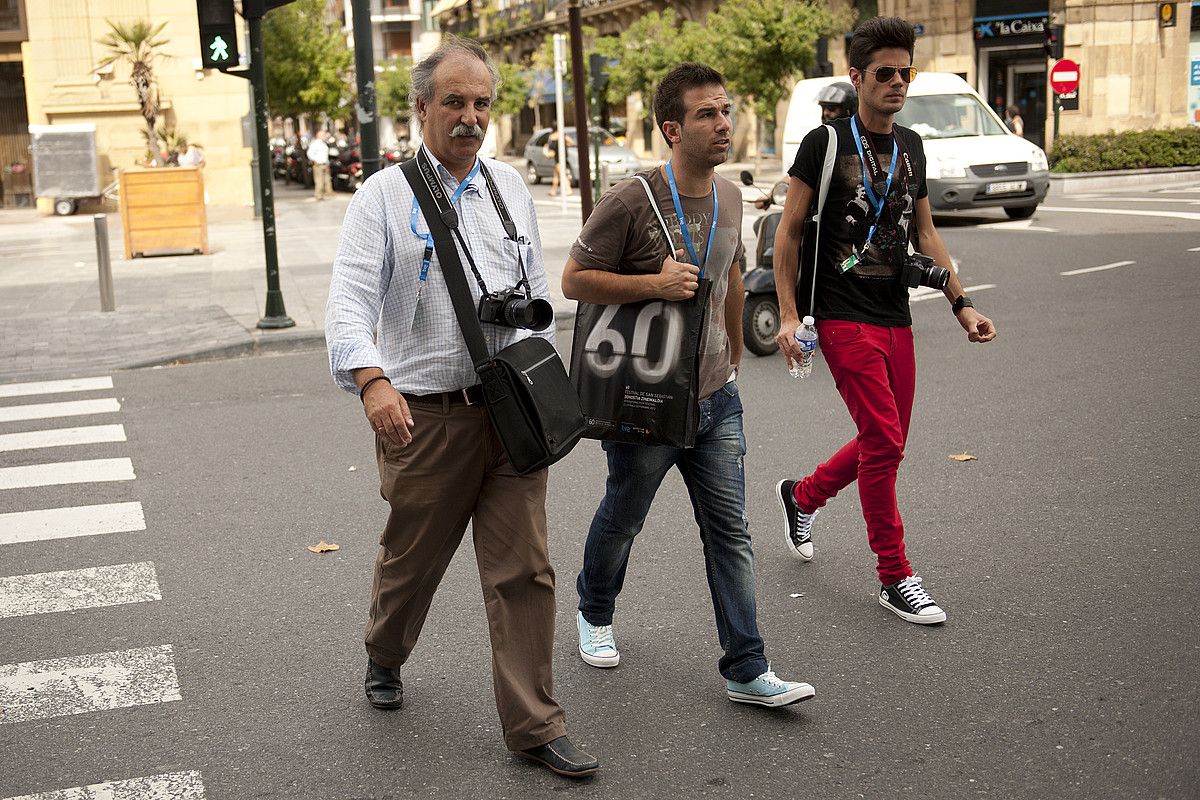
582,118
364,70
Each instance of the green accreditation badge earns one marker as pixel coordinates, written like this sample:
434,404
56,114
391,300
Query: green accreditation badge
849,263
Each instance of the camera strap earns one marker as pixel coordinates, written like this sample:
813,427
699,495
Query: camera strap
875,182
831,147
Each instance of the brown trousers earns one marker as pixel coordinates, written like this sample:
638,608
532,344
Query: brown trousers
455,471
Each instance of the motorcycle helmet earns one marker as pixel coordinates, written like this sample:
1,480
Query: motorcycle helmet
839,96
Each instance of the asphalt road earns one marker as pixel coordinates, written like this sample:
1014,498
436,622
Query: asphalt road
1067,668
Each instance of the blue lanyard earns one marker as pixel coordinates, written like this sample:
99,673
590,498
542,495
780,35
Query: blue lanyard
687,237
876,202
427,257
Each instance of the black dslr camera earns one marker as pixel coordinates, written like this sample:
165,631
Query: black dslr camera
516,308
919,270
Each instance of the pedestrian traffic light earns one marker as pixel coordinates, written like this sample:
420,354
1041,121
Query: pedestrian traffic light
1054,41
598,72
218,34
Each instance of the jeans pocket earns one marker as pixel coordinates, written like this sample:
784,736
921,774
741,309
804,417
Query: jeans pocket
730,389
840,332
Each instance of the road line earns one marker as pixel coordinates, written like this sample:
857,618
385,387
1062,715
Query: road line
71,408
932,293
64,523
1194,249
55,387
168,786
1101,268
97,470
1125,212
62,437
72,590
61,687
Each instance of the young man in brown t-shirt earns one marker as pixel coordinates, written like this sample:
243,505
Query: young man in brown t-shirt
622,256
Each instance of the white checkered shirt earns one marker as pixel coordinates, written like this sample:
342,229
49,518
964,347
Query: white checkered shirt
373,318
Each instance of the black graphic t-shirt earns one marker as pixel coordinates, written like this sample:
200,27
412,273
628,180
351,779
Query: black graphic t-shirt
869,291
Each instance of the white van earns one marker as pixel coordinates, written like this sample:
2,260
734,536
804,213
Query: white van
973,160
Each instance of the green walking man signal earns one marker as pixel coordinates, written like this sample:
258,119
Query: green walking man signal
218,34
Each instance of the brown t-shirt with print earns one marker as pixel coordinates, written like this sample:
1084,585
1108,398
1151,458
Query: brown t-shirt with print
623,235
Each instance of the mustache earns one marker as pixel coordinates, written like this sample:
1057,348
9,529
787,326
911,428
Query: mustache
470,131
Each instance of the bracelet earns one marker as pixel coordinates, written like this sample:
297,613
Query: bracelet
962,302
363,391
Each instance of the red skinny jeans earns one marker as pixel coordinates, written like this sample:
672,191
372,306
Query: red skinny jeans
874,369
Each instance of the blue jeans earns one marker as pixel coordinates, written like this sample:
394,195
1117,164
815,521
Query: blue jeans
715,478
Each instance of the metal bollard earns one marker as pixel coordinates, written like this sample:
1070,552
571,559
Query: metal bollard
108,301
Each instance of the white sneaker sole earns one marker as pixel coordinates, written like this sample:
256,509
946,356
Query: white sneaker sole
604,662
787,529
919,619
801,692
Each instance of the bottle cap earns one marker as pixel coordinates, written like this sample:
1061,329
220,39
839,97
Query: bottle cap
808,321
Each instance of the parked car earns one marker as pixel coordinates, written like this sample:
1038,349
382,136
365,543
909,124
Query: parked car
621,161
973,160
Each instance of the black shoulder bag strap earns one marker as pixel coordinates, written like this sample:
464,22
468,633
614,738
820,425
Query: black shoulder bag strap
441,219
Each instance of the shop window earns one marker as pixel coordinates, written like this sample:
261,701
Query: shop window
397,43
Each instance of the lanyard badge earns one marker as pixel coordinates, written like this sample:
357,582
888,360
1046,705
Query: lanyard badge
683,229
427,256
875,182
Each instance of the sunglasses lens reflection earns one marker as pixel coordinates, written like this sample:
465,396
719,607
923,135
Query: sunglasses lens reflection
885,74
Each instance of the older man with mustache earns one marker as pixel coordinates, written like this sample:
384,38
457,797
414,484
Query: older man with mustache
394,340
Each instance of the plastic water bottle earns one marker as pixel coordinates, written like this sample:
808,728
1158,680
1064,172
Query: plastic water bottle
806,340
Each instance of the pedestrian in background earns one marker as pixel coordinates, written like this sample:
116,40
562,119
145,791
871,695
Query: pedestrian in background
318,157
394,340
551,151
623,256
1012,118
862,305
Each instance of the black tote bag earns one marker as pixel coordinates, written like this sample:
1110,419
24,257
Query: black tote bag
636,366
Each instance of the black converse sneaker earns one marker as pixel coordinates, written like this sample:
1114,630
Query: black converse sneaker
797,526
909,601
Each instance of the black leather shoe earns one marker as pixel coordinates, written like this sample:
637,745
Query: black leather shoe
563,757
383,685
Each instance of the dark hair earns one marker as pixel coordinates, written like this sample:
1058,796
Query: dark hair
668,97
877,33
1015,110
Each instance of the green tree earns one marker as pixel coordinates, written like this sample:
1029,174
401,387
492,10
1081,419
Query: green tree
512,94
392,88
647,50
307,62
138,44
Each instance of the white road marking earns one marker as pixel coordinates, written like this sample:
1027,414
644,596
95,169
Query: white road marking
72,590
97,470
64,523
168,786
55,387
1016,225
1100,268
61,437
71,408
1194,249
61,687
1191,215
929,294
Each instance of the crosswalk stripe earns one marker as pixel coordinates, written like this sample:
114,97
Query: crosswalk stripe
63,523
55,387
61,687
1100,268
168,786
75,589
97,470
70,408
61,437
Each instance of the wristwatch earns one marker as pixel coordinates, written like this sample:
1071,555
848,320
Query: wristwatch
962,302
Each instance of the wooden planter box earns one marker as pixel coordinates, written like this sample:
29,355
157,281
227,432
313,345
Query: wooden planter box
162,211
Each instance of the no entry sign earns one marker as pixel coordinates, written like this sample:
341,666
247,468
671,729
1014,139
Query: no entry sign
1064,76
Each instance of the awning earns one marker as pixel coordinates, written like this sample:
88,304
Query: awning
442,6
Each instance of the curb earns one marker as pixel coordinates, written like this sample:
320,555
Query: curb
1077,182
256,344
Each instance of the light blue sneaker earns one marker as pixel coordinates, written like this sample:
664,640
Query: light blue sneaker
596,643
768,690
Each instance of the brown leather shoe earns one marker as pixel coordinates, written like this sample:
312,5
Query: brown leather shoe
563,757
383,685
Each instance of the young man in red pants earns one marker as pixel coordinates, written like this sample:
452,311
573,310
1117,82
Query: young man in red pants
877,204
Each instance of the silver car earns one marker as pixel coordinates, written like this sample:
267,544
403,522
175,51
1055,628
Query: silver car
620,161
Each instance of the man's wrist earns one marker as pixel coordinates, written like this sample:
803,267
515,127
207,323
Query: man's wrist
963,301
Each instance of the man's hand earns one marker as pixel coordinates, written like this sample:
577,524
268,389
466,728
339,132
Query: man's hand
786,339
678,280
978,327
388,413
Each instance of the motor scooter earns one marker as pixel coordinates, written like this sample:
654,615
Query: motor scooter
760,314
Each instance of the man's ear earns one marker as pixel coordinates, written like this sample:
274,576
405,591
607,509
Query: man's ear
421,108
672,130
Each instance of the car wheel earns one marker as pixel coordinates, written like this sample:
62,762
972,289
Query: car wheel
760,324
65,206
531,174
1024,212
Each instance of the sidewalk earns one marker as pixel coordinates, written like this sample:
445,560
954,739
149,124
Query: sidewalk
188,307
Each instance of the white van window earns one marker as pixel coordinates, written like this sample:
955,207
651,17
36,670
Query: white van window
947,116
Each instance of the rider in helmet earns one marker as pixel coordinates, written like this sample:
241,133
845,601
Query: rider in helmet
837,100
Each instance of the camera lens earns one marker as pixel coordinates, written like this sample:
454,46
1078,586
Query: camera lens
533,313
936,277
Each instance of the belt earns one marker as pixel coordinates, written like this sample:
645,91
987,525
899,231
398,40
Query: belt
471,396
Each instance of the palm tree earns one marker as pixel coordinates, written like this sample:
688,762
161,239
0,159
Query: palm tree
138,45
